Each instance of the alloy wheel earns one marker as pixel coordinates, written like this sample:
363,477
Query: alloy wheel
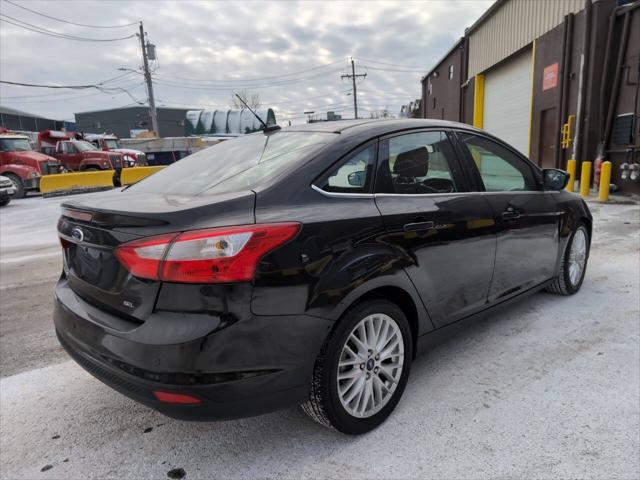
577,256
370,365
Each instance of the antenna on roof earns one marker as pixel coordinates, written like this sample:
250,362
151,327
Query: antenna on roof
266,128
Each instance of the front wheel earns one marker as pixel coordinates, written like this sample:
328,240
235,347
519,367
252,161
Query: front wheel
21,192
362,369
573,265
5,201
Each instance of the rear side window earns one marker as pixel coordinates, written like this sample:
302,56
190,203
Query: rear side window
235,165
353,175
500,169
417,163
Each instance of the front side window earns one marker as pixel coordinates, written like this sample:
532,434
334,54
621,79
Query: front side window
111,143
68,147
352,175
84,146
500,169
417,163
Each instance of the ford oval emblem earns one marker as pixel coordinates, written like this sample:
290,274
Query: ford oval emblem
77,234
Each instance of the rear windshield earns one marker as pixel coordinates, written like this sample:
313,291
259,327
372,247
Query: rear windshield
234,165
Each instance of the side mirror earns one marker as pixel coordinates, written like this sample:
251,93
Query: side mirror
356,179
554,179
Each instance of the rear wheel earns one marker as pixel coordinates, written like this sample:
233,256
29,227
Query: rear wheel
21,192
362,368
573,265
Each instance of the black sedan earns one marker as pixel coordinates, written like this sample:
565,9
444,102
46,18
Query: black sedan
308,266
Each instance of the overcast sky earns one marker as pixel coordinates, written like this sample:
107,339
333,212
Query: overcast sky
292,54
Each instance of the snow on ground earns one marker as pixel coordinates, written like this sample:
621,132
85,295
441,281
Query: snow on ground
28,228
547,388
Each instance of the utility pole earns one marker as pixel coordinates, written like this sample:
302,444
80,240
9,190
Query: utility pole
147,77
353,77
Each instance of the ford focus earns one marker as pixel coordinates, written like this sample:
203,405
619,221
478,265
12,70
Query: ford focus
308,266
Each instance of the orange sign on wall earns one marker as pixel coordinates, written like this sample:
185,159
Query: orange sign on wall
550,77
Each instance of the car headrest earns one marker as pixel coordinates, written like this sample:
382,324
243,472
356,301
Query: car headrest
412,163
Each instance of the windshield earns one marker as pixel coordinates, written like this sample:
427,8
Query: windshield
111,143
234,165
83,146
14,145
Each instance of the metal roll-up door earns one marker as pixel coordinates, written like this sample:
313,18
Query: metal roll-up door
507,101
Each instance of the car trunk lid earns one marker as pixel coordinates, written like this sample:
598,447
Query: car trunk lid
91,233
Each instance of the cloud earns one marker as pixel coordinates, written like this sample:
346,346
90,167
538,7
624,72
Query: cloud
208,49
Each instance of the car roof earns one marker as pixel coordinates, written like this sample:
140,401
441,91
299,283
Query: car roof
13,136
377,127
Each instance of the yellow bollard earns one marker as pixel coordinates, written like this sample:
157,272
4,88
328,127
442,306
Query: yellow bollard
605,181
585,178
571,170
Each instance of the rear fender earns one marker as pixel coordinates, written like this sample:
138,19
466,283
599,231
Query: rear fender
328,284
575,212
380,275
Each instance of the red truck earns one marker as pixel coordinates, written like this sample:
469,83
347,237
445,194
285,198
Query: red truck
22,165
76,154
109,143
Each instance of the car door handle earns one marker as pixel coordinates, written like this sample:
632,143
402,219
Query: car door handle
416,226
510,214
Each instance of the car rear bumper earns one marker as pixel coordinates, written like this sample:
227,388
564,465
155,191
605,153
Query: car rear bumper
252,366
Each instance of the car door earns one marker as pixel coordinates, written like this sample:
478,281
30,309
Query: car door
68,155
526,217
443,231
61,154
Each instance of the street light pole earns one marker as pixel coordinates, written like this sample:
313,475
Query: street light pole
147,77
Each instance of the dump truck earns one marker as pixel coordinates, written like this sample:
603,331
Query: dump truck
23,165
110,143
77,154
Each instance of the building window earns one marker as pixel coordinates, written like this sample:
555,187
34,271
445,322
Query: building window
450,71
434,103
429,87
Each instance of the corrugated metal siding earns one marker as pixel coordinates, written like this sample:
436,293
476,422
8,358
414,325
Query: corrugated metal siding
512,26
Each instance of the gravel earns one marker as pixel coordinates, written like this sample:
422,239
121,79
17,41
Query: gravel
547,388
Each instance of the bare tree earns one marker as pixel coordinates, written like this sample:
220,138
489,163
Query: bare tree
252,99
384,113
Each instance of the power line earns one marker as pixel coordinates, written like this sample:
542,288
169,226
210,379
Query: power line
254,79
275,104
228,88
39,85
395,70
75,97
67,21
391,64
51,33
243,83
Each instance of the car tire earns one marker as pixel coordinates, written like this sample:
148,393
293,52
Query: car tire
4,202
569,280
376,375
21,192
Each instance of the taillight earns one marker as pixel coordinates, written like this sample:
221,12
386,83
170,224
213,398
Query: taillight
216,255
